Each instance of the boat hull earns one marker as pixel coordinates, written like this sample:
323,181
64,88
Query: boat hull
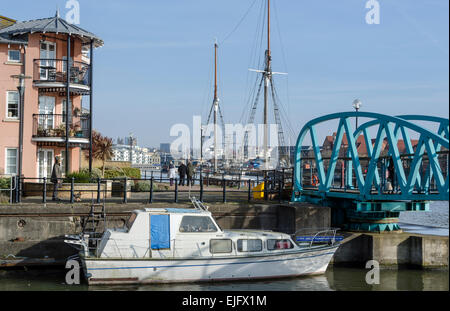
212,269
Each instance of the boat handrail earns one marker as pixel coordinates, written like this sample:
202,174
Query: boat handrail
199,204
312,235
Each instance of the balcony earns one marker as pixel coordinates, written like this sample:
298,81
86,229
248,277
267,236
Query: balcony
50,129
51,75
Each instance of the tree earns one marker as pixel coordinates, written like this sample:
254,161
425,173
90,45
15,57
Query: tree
101,148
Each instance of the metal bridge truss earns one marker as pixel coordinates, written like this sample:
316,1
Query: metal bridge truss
357,187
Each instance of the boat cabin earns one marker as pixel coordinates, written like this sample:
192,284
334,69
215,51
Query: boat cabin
179,233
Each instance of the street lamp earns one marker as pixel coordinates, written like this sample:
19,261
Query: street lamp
21,88
357,105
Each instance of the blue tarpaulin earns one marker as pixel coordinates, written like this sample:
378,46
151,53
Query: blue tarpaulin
160,231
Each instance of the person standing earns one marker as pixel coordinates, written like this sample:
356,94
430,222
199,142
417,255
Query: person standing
172,173
190,173
182,172
56,178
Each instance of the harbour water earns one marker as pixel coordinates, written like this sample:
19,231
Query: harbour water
433,222
335,279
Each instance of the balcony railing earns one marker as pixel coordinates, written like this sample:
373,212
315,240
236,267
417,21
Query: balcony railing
55,70
54,125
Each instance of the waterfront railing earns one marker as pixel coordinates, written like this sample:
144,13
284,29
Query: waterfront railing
207,187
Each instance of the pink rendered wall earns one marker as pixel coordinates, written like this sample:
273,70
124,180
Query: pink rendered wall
9,129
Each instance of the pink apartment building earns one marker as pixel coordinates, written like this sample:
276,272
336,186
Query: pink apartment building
57,58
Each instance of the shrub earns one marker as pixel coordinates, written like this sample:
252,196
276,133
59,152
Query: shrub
132,172
5,183
111,173
117,172
142,186
96,172
4,199
81,177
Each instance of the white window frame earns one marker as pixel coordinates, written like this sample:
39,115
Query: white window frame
6,161
7,105
14,60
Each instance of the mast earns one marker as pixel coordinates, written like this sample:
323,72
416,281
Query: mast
267,77
216,106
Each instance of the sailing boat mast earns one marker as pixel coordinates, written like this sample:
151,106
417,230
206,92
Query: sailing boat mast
216,106
267,80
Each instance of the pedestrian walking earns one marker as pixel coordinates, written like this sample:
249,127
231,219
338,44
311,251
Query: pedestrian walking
56,178
172,173
190,174
182,172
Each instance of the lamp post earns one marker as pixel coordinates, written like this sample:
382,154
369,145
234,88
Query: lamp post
357,105
21,88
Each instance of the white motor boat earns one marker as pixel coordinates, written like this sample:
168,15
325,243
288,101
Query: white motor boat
163,245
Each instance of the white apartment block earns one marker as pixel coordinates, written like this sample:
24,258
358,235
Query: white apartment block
138,155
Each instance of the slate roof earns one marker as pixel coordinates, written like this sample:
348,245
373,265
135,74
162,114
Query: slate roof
54,24
16,40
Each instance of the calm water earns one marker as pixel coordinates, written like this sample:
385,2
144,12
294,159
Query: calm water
335,279
434,221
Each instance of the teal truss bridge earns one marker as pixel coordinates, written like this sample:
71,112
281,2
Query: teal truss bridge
369,175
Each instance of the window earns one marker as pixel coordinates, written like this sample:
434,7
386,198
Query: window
197,224
11,161
12,106
14,56
249,245
279,244
217,246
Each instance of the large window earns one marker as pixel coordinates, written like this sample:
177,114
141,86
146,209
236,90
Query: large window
12,106
220,246
279,244
252,245
197,224
14,56
11,161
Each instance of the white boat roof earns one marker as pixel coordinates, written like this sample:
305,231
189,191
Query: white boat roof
174,210
255,233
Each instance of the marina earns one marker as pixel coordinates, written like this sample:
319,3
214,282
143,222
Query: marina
270,183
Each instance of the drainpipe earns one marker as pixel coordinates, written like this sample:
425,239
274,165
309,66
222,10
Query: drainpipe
91,68
67,159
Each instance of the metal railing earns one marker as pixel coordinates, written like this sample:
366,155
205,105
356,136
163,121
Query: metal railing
55,70
54,125
206,187
388,184
11,189
316,236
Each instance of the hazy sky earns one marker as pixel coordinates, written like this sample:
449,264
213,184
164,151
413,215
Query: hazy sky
155,69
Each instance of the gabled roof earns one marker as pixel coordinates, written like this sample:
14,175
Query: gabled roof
54,24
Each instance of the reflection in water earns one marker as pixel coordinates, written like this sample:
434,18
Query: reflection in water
390,280
336,278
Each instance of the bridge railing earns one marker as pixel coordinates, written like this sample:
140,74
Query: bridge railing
388,184
418,171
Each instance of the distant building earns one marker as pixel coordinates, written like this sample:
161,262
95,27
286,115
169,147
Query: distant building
139,155
164,148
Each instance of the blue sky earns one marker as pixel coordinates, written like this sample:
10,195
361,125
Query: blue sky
155,69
